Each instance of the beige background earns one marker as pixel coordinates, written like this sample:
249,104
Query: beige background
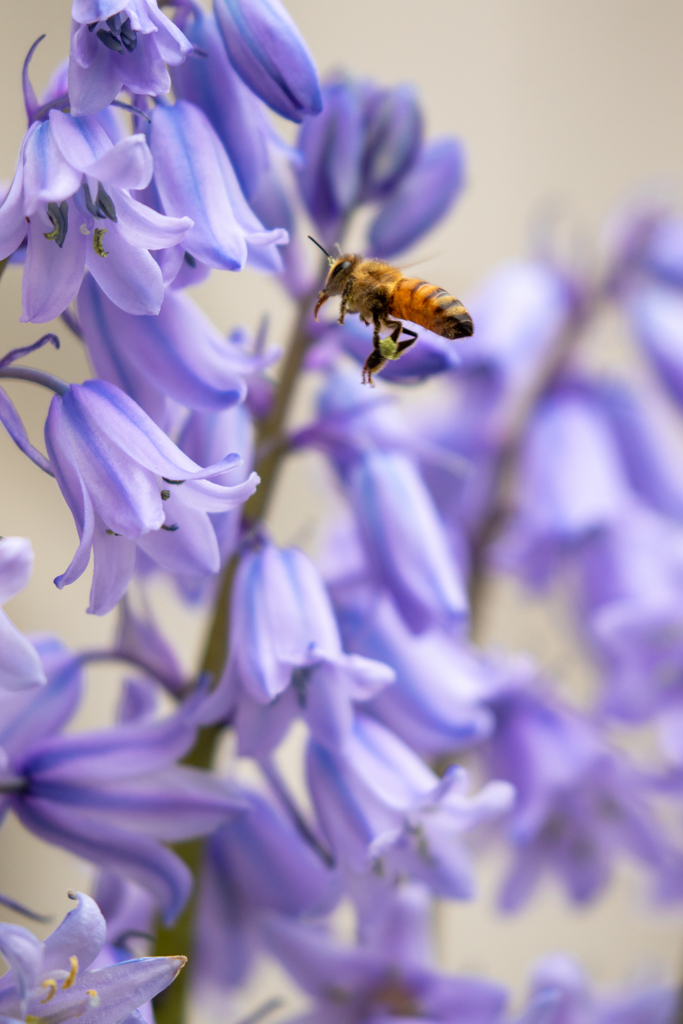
565,106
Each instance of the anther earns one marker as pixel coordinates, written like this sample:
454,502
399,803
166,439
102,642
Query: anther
97,241
73,973
190,260
92,26
129,36
59,215
112,534
114,23
165,495
167,481
105,203
52,985
171,529
110,40
91,207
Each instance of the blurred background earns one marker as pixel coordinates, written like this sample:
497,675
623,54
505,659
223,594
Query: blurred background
566,111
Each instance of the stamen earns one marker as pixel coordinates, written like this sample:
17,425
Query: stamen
92,26
109,40
129,36
112,534
52,985
59,215
114,23
68,982
94,997
165,495
92,207
105,202
190,260
97,241
167,481
171,529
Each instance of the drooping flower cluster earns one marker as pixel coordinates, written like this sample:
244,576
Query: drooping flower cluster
524,462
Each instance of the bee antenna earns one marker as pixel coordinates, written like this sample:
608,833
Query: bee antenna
320,247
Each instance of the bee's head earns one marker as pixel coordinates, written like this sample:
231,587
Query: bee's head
340,271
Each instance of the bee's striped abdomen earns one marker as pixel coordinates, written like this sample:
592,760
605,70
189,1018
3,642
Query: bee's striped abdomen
431,307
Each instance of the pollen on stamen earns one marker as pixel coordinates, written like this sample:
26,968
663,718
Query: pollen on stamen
52,985
73,973
94,997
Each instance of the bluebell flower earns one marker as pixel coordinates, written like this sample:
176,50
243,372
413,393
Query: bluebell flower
193,175
421,199
107,795
70,198
436,704
404,540
560,994
286,655
238,117
50,981
379,805
257,864
630,608
656,317
519,310
572,484
269,54
648,450
20,665
125,481
332,147
392,137
579,803
117,45
177,355
378,982
138,636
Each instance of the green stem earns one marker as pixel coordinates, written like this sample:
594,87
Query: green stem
170,1005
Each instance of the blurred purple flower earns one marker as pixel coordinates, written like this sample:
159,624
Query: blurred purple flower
71,181
107,795
421,199
118,46
631,611
252,865
49,981
193,175
20,665
560,994
436,702
269,54
656,316
392,138
572,484
404,540
112,462
332,147
388,980
378,803
579,802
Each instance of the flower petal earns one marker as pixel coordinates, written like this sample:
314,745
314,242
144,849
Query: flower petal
52,276
24,953
48,175
422,198
143,859
127,274
268,52
81,934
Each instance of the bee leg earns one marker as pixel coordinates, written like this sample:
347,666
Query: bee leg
373,364
344,302
403,345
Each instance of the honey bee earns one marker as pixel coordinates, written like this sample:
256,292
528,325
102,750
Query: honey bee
379,293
